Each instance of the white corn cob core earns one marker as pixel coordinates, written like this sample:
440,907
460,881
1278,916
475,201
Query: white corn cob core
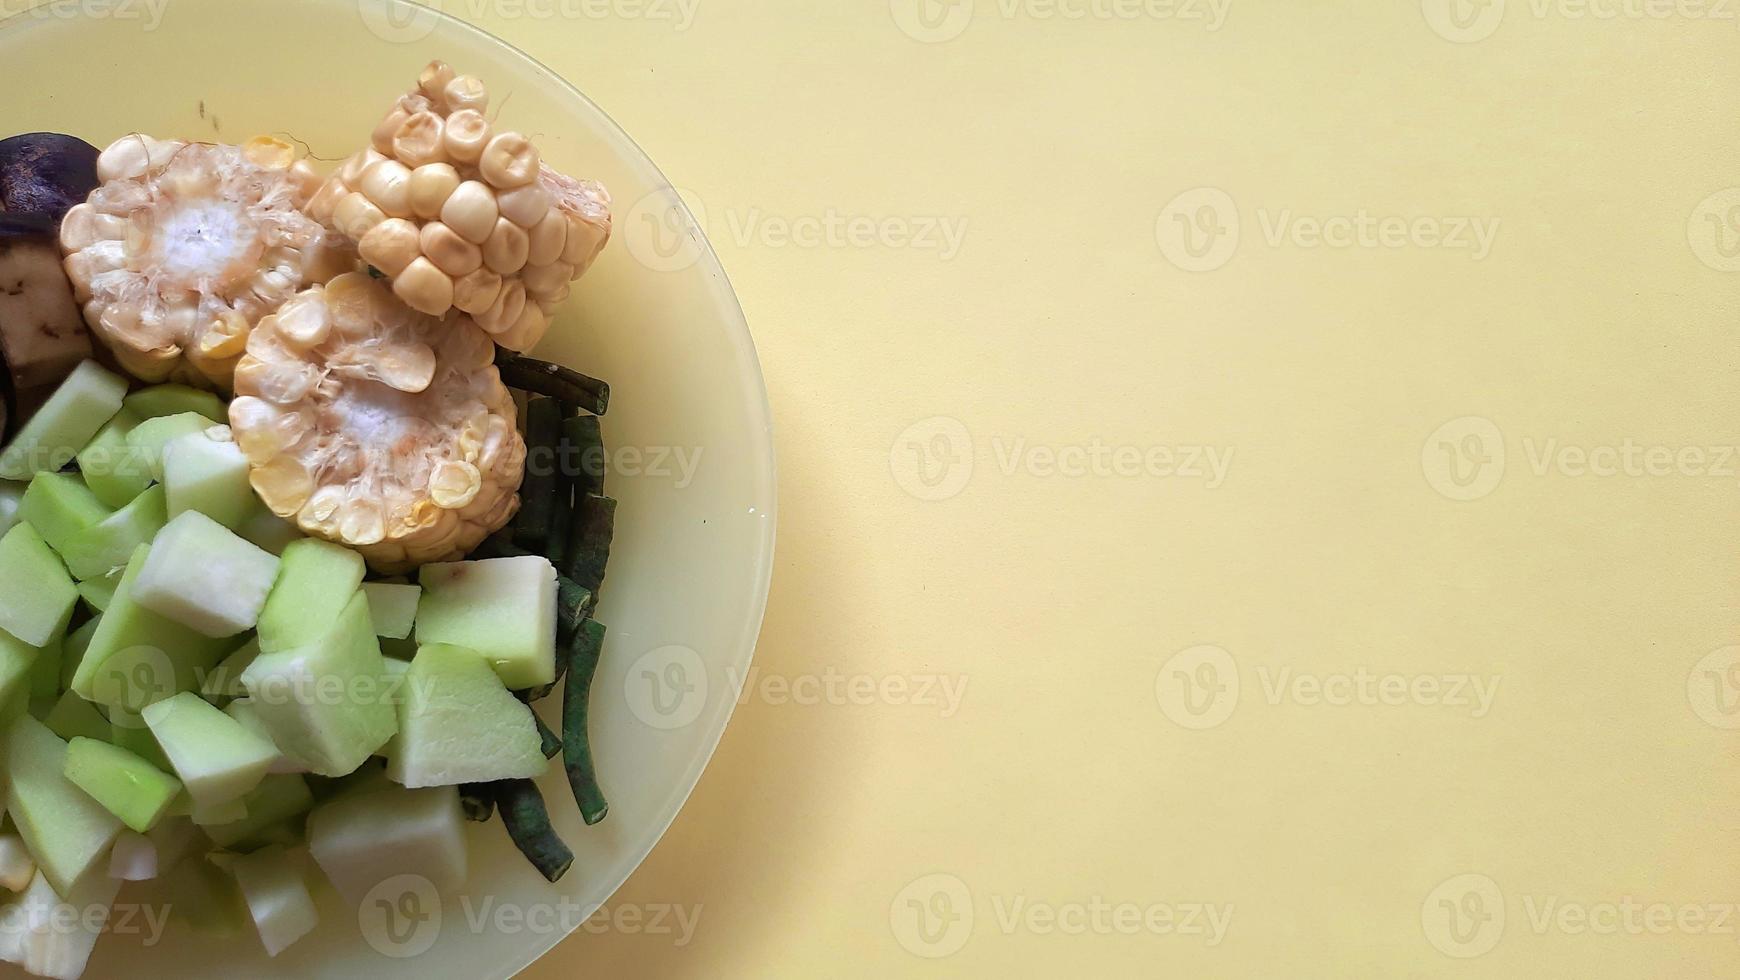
186,245
381,428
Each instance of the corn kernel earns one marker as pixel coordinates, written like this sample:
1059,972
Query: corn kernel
509,160
388,185
471,210
467,133
432,81
547,238
506,249
390,245
424,287
545,280
506,309
477,292
356,214
466,92
431,185
419,141
525,205
269,152
453,254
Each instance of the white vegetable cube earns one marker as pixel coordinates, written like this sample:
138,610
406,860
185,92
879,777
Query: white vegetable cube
272,884
53,937
217,758
202,576
134,857
504,608
206,472
361,839
392,608
16,865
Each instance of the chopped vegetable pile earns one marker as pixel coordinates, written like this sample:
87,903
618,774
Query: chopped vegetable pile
265,607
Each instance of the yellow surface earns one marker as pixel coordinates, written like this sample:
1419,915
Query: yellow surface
1601,311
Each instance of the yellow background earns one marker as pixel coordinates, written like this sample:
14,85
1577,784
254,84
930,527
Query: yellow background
1602,315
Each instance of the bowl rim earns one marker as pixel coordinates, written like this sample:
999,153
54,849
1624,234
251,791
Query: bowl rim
758,409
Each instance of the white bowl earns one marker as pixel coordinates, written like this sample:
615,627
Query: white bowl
689,571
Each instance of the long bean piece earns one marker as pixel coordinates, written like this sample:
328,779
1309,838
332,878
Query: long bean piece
576,740
528,823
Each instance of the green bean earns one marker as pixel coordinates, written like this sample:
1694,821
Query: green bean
554,380
589,540
552,742
587,462
576,740
528,823
477,800
538,503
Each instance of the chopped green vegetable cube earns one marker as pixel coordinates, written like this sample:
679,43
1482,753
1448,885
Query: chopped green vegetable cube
199,574
102,549
280,797
16,659
214,755
73,716
11,495
504,608
77,642
158,401
327,704
272,884
149,437
36,593
88,398
206,472
99,592
315,583
65,829
112,468
393,608
364,837
127,786
138,656
59,506
458,724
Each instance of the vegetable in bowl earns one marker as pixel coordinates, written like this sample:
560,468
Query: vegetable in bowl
214,682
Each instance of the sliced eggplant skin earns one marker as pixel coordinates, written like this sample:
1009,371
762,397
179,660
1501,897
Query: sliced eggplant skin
42,332
46,173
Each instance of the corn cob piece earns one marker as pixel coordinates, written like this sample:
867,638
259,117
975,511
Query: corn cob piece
185,246
378,427
462,215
